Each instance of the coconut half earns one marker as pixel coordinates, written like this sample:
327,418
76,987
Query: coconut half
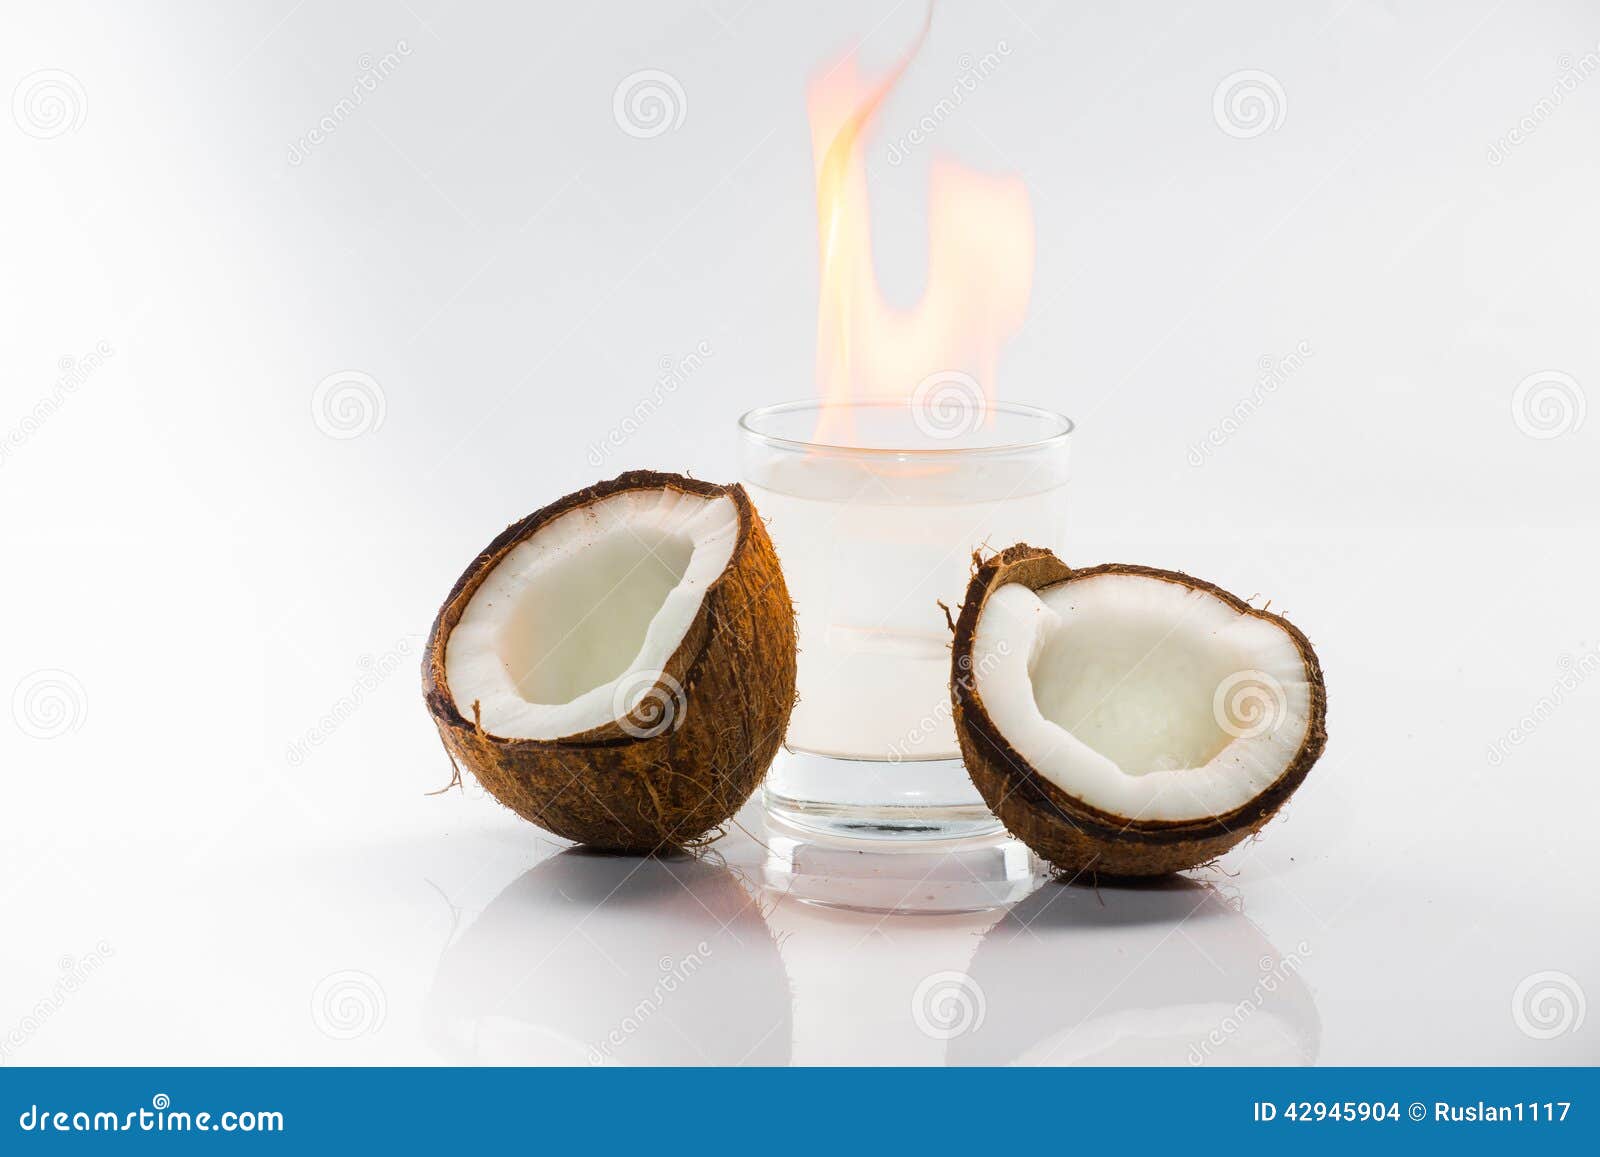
619,667
1128,721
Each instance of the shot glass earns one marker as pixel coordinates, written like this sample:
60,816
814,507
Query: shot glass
876,509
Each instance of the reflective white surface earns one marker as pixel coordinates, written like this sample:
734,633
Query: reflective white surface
215,842
461,936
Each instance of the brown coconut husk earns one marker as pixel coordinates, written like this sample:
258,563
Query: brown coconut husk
1075,837
607,787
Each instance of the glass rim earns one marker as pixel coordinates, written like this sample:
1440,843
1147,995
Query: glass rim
1065,427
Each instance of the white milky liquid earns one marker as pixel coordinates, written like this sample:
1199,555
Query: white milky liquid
866,578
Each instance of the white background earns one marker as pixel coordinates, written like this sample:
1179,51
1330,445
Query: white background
199,577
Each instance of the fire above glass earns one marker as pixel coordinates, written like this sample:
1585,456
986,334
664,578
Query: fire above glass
875,527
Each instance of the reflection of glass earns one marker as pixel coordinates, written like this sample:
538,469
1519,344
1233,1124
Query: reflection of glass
595,959
1161,974
875,529
855,973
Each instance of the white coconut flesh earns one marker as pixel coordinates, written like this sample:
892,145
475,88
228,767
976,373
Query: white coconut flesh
1142,697
574,625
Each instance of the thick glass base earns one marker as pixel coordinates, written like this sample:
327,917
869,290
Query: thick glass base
905,877
931,799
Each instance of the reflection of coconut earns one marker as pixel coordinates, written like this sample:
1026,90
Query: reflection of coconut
1165,974
595,959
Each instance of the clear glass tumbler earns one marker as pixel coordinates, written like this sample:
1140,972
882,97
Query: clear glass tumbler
875,522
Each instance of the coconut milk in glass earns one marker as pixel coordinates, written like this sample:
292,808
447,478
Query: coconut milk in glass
875,528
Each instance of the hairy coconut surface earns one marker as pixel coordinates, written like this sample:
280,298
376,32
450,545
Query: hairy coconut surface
1140,722
630,701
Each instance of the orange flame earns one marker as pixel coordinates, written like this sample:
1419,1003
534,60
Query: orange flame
980,264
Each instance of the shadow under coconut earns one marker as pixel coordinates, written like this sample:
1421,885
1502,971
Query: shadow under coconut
1164,973
590,958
